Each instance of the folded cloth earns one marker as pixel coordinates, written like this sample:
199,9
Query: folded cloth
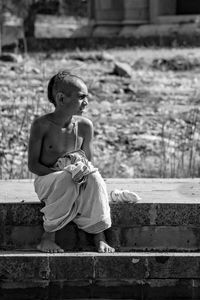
67,199
77,164
124,196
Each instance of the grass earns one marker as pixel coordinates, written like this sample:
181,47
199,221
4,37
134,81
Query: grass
145,126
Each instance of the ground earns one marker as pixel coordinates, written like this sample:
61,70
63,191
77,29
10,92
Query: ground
145,126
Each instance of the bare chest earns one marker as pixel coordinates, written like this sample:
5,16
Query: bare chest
59,141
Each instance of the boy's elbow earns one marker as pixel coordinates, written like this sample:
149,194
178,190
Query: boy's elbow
31,166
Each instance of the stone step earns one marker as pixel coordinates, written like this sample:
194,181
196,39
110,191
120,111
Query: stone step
167,218
31,275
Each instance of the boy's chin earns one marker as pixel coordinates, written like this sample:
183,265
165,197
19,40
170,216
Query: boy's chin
80,112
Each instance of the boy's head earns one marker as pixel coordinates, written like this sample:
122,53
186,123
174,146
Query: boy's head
63,84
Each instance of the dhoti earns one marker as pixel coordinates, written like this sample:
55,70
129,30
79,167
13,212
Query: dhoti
85,203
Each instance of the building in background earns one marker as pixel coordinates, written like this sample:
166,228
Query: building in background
129,17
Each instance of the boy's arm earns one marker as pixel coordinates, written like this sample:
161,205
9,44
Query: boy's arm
87,145
34,149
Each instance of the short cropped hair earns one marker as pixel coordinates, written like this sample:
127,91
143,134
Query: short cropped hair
56,83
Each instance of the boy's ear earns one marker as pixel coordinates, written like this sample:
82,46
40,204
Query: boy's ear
59,98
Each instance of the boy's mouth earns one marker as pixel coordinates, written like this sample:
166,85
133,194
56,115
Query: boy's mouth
81,110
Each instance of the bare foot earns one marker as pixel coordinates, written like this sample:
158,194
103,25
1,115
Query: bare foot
48,244
101,244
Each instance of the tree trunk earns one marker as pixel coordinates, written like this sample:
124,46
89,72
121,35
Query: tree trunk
29,21
1,26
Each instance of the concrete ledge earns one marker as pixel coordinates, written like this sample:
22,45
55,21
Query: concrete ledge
20,266
138,238
165,202
123,214
153,289
91,275
167,218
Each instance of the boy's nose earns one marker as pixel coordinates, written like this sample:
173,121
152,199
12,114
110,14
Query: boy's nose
85,102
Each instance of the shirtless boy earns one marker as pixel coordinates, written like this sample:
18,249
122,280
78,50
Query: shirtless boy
83,198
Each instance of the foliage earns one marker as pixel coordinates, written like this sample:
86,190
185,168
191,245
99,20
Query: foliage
73,8
145,126
19,7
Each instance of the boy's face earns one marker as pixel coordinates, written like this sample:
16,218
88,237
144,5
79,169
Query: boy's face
77,100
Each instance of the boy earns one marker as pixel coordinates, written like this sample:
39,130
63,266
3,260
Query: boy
60,151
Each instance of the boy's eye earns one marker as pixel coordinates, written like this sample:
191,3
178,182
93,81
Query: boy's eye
83,96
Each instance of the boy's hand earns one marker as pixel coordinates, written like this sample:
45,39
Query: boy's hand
80,171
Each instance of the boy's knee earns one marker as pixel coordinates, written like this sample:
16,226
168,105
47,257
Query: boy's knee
67,177
95,178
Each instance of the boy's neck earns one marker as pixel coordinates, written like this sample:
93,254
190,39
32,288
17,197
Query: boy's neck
61,119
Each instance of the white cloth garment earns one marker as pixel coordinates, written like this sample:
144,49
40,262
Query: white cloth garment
84,201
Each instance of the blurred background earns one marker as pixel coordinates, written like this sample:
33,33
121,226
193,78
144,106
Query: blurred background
141,62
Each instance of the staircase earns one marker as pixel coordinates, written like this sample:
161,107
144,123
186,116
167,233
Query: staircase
157,244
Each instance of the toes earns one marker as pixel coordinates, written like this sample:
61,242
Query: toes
101,250
59,250
110,250
49,247
106,249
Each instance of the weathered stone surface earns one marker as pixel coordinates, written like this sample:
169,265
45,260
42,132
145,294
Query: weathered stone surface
20,237
137,238
71,267
153,289
179,191
24,268
125,214
174,267
176,214
20,214
159,238
25,292
157,289
93,266
67,289
118,289
122,69
117,267
167,220
91,275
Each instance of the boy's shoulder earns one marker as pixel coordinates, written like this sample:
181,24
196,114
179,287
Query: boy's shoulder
41,121
83,121
85,126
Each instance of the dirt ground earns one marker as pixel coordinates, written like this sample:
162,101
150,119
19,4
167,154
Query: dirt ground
146,125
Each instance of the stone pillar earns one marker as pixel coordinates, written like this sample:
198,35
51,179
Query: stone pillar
136,12
1,27
154,10
91,10
108,17
161,8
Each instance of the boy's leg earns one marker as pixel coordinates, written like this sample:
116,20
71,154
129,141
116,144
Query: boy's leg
101,244
47,243
53,189
94,211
